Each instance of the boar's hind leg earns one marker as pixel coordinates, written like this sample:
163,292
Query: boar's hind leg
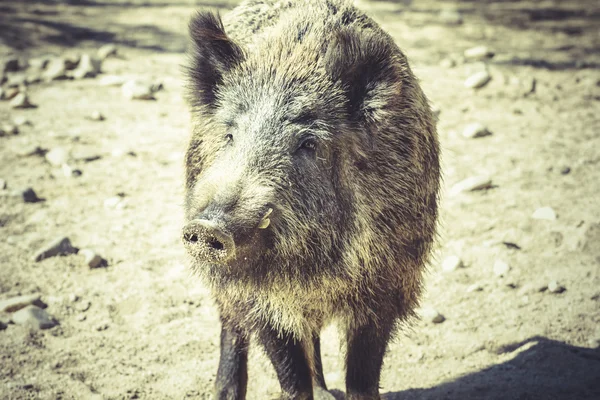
318,365
364,359
289,359
232,375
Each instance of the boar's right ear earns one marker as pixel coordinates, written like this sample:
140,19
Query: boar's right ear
213,54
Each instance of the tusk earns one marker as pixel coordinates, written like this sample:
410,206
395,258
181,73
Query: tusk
264,223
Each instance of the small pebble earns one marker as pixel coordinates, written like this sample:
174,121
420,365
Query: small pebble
11,93
91,259
28,149
478,53
70,172
544,213
476,287
555,287
7,130
57,156
96,116
135,90
471,184
3,184
34,317
28,195
60,246
501,268
447,63
22,121
102,327
565,170
21,101
106,51
475,130
16,303
81,317
451,17
478,80
432,315
3,326
451,263
83,306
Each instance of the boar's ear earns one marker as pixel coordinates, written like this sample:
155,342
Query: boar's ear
368,70
213,54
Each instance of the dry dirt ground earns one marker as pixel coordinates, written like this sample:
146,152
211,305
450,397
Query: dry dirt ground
143,327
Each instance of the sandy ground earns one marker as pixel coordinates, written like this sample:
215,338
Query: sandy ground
143,327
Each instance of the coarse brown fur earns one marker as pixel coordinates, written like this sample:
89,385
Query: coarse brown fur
354,220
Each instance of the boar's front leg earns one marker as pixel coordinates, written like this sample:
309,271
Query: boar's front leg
364,359
232,375
290,362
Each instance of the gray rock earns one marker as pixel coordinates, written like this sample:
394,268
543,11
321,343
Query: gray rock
478,80
21,100
10,64
57,156
478,53
136,90
88,67
451,263
58,247
34,317
555,287
28,195
106,51
471,184
16,80
56,69
475,130
544,213
501,268
451,17
91,259
16,303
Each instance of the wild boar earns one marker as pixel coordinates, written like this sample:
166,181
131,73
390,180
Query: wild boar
312,180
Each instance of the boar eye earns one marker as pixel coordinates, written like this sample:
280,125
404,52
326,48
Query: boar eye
229,138
308,144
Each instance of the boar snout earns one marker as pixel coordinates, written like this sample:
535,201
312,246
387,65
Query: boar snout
206,240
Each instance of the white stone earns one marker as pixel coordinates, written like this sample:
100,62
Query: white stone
34,317
88,67
451,263
57,156
476,287
501,268
475,130
471,184
106,51
478,80
16,303
432,315
544,213
555,287
112,80
136,90
478,53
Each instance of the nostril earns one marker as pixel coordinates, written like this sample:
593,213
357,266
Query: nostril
215,244
192,238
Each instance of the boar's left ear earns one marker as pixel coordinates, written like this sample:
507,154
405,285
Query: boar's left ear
368,69
213,54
